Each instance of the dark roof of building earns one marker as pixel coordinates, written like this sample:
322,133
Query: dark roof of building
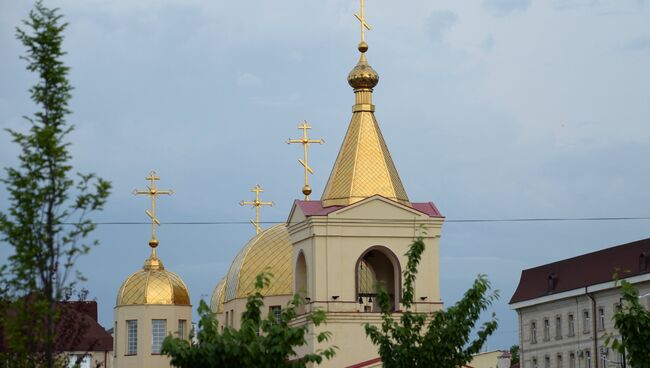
77,328
629,260
315,208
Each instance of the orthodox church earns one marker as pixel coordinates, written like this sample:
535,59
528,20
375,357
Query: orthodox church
332,252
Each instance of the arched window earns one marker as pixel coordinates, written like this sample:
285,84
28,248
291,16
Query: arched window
301,276
377,266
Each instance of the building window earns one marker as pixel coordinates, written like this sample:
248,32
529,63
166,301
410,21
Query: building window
232,318
558,327
601,318
276,312
547,362
533,332
534,360
547,329
572,360
587,359
79,361
115,340
131,337
181,328
158,333
586,321
227,319
572,324
559,362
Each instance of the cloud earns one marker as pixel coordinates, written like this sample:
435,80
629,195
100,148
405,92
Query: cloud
488,43
439,22
638,44
501,7
248,80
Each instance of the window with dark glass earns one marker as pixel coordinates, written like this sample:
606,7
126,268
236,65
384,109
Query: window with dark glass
601,318
572,325
276,312
533,332
547,329
558,327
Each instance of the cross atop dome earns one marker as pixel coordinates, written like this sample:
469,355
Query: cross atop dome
153,192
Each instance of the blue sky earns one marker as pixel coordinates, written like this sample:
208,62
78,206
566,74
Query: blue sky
491,109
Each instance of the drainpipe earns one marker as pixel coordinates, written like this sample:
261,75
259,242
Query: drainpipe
594,356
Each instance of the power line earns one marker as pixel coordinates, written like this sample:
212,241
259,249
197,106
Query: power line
468,220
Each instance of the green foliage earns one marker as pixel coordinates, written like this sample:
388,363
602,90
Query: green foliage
632,321
46,222
258,343
437,340
514,354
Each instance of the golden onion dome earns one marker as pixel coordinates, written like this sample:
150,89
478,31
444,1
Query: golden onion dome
269,251
216,302
153,285
363,76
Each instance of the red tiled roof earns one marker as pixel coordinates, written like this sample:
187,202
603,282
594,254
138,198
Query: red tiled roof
366,363
315,208
581,271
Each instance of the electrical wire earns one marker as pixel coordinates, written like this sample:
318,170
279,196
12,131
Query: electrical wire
360,221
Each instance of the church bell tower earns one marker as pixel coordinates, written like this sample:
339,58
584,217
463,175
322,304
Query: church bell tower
357,235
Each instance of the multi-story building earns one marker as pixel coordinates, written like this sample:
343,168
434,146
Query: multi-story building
565,308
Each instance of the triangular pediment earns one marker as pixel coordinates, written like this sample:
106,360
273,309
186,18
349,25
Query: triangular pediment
296,215
378,208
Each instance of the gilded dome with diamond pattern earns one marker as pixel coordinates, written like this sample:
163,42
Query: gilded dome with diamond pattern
153,285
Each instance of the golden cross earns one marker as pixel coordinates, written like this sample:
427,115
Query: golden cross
364,24
305,141
153,192
257,203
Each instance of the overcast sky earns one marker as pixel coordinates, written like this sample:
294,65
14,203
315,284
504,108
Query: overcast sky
491,109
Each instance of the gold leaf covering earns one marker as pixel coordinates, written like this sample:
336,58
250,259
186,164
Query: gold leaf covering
363,167
216,302
153,285
268,251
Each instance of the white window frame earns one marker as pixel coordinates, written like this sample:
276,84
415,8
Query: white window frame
158,334
182,327
132,337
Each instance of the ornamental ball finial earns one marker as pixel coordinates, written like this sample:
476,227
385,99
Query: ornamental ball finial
306,190
153,243
363,46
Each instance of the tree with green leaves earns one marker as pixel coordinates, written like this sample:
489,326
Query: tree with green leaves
514,354
258,343
47,222
632,320
437,340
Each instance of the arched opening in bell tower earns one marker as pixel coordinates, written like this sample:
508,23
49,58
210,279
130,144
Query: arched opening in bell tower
377,266
301,276
301,286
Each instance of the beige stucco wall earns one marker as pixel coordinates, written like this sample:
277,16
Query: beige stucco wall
237,306
144,314
99,359
584,339
489,359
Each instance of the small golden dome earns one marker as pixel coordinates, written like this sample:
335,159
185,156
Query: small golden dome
269,251
153,285
363,76
216,302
